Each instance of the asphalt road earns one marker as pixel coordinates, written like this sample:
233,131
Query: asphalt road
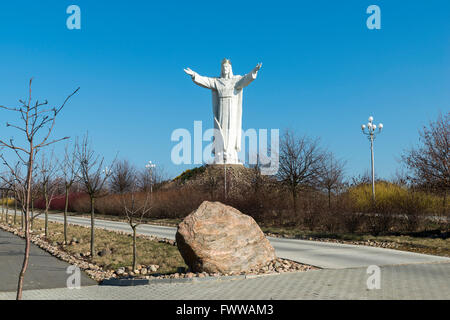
44,271
316,253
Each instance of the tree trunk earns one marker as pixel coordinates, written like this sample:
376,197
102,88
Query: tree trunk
444,204
3,209
294,199
15,210
92,227
134,248
46,210
66,207
3,205
32,214
27,229
22,218
329,199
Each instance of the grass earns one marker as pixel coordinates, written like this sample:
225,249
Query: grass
190,173
440,247
407,242
148,251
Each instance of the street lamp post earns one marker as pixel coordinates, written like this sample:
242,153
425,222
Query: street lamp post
150,167
107,171
370,132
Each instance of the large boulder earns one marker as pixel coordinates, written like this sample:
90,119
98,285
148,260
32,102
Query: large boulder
219,238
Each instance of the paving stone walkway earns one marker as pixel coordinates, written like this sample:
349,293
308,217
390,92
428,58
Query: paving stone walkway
414,281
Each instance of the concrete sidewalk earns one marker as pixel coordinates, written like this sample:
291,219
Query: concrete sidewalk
44,270
418,281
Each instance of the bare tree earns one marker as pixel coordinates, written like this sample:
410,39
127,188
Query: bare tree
4,189
211,182
400,178
94,176
151,179
13,184
259,182
123,177
2,195
34,118
364,178
5,203
332,175
301,162
34,194
145,179
69,168
10,185
46,177
15,197
256,178
20,186
136,205
429,162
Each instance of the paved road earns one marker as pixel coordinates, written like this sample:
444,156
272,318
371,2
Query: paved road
316,253
339,256
416,281
44,270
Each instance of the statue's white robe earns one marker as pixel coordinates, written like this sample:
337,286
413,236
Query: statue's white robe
227,111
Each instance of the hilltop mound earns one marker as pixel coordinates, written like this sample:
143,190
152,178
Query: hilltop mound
212,178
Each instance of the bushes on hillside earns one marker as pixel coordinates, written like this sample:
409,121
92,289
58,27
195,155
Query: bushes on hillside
58,202
397,208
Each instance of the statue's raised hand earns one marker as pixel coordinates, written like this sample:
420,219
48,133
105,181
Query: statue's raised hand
189,72
258,66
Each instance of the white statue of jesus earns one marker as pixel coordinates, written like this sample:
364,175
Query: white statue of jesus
227,109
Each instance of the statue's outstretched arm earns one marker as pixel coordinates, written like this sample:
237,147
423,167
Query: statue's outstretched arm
256,69
204,82
249,77
189,71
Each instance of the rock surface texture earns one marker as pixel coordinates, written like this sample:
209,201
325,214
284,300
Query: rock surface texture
219,238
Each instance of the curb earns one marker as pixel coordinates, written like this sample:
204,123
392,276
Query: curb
141,282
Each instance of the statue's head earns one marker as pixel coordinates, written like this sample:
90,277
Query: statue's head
227,70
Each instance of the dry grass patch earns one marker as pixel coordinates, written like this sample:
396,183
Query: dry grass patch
436,246
426,245
118,247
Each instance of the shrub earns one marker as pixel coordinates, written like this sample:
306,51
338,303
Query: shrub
396,208
81,203
392,198
59,201
190,173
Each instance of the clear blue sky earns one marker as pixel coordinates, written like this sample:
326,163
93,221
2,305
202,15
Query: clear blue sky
323,71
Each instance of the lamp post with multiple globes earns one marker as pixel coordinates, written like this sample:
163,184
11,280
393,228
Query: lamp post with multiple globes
371,133
150,167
